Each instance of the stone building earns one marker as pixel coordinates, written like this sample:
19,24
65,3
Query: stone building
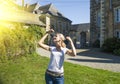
80,34
104,20
51,17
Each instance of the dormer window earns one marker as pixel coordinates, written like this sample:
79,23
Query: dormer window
35,12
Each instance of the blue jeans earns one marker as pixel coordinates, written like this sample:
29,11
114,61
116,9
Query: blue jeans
53,80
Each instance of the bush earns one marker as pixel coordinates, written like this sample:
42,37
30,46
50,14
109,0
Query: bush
36,31
111,45
18,41
117,52
96,44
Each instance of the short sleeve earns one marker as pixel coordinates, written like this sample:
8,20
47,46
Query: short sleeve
65,50
51,48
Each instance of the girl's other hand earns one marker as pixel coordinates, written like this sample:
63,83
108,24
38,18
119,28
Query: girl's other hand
68,38
50,31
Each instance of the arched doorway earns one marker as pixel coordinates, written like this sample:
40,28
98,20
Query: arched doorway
83,39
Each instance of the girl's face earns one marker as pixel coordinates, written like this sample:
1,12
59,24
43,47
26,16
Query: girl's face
56,38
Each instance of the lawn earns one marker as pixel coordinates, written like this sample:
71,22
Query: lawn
30,69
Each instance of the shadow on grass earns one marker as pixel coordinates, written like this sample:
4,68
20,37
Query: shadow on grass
96,55
94,60
1,82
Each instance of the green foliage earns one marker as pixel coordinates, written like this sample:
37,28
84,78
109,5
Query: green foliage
30,69
18,41
117,52
36,31
96,44
42,18
111,45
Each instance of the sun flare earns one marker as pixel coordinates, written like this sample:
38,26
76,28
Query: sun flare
7,12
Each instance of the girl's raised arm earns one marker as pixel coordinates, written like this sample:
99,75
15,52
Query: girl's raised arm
41,41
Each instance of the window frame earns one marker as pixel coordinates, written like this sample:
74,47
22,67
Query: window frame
117,34
117,14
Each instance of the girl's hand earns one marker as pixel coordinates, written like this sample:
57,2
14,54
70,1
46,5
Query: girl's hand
68,38
50,31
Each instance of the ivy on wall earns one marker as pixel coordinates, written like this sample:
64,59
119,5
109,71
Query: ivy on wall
18,40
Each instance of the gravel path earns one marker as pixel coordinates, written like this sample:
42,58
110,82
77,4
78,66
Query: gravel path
92,58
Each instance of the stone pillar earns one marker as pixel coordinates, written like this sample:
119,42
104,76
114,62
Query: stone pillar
47,29
47,23
102,27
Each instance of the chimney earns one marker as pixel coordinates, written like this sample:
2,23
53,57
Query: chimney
23,3
27,5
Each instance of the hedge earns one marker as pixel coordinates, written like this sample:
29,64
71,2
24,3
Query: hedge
18,40
112,45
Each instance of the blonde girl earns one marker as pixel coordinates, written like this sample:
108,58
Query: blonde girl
55,72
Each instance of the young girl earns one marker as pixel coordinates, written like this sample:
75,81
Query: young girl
55,72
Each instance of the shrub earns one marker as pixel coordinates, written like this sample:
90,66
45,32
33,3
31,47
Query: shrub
117,52
111,44
96,44
36,31
18,41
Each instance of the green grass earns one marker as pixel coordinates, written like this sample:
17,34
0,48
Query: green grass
30,69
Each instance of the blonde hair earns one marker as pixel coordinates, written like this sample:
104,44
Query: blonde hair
62,40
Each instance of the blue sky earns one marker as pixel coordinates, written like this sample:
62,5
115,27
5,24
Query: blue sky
78,11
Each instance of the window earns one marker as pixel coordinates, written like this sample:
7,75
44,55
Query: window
117,14
110,4
98,36
98,19
35,12
118,34
59,26
97,1
67,25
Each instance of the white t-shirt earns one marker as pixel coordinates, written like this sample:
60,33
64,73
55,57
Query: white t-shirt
57,59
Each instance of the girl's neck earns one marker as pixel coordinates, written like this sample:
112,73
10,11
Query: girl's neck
58,47
58,44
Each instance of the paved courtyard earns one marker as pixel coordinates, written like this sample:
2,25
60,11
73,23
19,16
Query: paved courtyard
91,57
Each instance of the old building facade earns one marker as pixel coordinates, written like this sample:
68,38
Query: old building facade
104,20
51,17
80,34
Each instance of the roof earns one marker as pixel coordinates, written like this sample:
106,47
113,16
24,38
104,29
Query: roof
32,7
13,14
45,8
51,10
22,17
78,27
